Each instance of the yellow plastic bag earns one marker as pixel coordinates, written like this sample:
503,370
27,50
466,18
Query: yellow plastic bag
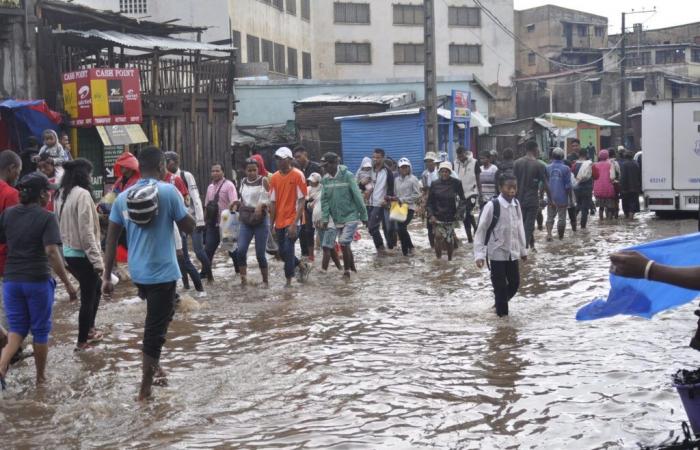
398,211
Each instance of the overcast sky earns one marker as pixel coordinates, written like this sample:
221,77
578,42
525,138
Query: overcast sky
668,12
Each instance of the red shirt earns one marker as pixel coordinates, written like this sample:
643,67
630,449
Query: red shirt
179,184
9,196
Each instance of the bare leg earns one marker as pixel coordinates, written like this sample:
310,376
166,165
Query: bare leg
243,271
41,354
265,272
150,365
450,250
438,246
347,258
14,342
326,258
336,259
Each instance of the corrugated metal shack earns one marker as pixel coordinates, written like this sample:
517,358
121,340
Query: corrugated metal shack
516,133
316,128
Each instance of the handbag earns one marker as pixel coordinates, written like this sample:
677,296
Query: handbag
247,216
398,211
211,209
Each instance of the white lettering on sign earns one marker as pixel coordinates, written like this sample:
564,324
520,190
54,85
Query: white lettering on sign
115,72
70,76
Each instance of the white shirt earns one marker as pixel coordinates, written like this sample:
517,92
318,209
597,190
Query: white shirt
195,207
466,172
379,192
507,242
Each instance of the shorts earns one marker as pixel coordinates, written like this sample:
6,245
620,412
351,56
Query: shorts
345,235
328,237
28,306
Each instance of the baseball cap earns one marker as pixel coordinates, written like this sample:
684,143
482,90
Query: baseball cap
404,162
430,156
329,157
36,182
315,177
284,153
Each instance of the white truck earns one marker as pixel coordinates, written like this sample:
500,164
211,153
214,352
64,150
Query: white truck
671,155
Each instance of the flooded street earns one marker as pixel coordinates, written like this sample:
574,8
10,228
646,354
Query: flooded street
408,354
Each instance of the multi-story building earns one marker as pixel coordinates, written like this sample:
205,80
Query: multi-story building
18,77
559,34
380,39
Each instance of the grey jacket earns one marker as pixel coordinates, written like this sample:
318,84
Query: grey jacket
79,224
408,190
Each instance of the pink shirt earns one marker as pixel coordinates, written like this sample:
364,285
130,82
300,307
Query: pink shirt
227,195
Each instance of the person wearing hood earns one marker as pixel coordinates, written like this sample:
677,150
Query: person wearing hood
364,177
559,184
603,187
442,208
468,171
408,190
341,202
53,148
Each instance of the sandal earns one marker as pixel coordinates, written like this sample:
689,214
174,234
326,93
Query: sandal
83,347
95,336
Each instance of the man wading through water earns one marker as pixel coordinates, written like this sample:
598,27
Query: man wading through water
152,260
342,202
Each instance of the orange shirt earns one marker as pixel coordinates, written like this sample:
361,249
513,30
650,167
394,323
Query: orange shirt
285,191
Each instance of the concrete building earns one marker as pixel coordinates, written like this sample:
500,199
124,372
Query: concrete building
564,35
18,69
379,39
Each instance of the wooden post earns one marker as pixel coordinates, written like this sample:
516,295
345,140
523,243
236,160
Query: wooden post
155,68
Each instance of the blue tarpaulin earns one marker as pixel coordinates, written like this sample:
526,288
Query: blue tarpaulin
20,119
644,298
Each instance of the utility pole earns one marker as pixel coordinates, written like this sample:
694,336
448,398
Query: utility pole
623,85
430,82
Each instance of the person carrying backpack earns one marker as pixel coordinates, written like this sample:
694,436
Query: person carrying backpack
221,194
147,211
500,240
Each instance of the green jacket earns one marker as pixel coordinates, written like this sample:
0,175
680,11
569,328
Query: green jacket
341,198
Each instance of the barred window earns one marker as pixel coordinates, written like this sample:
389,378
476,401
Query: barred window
351,12
279,4
346,53
133,6
253,44
464,16
408,15
266,53
280,66
306,10
465,54
292,64
292,7
409,53
306,65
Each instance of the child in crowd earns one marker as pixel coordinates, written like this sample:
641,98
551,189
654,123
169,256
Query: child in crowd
364,177
54,148
500,239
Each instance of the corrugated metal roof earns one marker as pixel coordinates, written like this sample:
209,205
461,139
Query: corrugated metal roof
393,100
477,119
144,41
582,117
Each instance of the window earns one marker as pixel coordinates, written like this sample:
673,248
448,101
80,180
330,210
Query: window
292,64
266,53
465,54
409,53
351,12
670,56
408,15
279,4
582,30
695,55
595,87
694,91
675,90
237,43
463,16
133,6
306,65
531,59
599,31
306,10
530,28
253,45
279,58
637,84
639,59
353,53
292,7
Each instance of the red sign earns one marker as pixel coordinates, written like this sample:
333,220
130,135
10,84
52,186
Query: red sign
103,96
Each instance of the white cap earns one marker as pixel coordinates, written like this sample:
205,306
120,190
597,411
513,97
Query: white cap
404,162
284,153
315,177
620,148
430,156
445,165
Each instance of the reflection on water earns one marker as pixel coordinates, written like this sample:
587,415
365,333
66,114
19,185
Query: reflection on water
408,354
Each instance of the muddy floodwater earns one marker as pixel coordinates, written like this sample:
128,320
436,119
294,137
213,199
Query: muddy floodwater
407,354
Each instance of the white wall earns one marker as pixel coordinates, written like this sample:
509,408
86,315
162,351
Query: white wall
498,50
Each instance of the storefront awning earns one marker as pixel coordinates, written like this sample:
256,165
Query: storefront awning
121,135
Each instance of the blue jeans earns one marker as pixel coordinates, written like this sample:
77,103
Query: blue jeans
245,235
212,239
187,268
286,251
198,247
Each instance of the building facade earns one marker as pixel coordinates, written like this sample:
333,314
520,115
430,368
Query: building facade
379,39
563,35
18,69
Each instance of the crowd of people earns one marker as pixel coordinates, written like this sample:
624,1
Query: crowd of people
154,211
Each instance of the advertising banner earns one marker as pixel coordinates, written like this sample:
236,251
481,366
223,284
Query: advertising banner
103,96
461,105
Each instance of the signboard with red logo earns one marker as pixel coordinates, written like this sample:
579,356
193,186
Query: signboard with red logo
104,96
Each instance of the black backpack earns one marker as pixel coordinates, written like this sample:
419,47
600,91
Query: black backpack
494,219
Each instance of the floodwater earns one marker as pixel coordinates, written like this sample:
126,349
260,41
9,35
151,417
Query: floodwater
408,354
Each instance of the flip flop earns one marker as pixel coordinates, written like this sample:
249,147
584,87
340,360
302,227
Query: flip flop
97,336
